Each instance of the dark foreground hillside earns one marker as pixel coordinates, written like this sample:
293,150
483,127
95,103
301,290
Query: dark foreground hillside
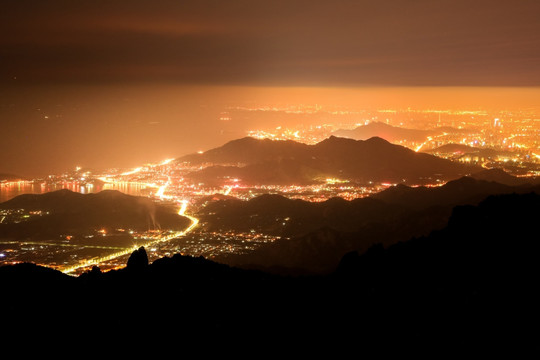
472,284
316,235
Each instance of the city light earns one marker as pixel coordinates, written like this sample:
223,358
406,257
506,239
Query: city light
474,137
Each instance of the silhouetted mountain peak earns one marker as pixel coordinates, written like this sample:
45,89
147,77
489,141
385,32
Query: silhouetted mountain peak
463,190
332,139
138,260
336,200
341,146
338,140
377,140
269,198
385,131
468,183
287,162
500,176
465,180
245,141
110,194
248,150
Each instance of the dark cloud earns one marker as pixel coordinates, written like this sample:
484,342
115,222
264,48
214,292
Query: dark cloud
391,42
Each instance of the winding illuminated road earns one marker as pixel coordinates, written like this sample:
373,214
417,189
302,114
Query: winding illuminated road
97,261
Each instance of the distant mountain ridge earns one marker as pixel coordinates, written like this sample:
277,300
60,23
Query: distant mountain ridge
502,177
384,131
392,133
288,162
464,190
466,149
248,150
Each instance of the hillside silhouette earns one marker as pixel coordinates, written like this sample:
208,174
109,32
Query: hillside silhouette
74,213
464,190
473,278
278,215
288,162
385,131
466,149
502,177
317,234
470,284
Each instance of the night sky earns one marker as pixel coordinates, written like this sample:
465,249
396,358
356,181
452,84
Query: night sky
390,42
120,83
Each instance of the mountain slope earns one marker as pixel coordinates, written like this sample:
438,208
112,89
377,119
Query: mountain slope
502,177
278,215
322,232
249,150
463,190
465,149
384,131
288,162
75,213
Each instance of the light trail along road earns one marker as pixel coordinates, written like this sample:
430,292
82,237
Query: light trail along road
97,261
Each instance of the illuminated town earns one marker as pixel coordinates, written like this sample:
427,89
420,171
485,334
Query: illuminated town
506,140
511,136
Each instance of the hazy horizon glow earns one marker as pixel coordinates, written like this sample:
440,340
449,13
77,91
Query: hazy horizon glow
50,129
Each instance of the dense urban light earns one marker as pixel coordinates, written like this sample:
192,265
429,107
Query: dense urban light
360,171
